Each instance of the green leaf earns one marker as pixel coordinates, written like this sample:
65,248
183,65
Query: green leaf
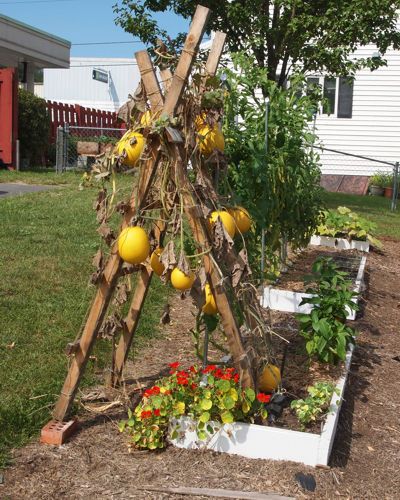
206,404
228,402
223,385
226,417
204,417
250,394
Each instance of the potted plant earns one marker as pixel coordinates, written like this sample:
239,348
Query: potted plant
388,185
377,184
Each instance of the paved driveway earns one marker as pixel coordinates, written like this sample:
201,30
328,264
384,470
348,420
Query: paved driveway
17,189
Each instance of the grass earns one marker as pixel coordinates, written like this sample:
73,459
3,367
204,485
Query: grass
47,241
374,208
46,177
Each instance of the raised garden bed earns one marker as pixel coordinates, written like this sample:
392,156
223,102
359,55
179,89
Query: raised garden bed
288,293
340,243
265,442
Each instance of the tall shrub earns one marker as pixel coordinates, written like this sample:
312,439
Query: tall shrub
279,183
33,126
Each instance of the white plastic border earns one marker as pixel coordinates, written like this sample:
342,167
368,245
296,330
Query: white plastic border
269,443
339,243
289,301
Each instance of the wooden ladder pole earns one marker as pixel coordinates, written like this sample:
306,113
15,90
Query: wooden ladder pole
186,60
217,48
111,273
240,358
153,90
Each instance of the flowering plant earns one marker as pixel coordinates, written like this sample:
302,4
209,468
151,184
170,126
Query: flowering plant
209,395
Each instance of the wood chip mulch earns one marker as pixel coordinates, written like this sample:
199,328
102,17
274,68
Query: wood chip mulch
365,462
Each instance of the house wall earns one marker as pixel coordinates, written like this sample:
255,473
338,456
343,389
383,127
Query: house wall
76,85
374,129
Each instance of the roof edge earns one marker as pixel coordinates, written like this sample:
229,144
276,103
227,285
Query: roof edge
20,24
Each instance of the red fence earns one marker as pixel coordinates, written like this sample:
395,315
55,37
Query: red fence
78,116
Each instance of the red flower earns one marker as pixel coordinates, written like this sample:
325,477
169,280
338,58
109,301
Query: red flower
156,412
193,386
209,368
182,380
182,373
236,378
193,369
145,414
173,366
263,398
152,391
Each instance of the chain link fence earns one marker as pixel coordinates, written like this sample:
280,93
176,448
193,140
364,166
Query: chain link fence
77,147
344,169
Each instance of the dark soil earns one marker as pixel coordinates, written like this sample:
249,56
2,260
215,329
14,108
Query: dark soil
302,262
299,373
366,455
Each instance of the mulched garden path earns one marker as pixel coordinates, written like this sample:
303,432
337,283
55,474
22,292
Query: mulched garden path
366,455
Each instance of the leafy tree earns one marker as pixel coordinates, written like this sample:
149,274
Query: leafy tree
33,126
314,35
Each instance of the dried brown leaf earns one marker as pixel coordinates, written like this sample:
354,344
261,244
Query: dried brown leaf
122,207
106,233
168,257
183,263
222,242
240,268
100,205
121,295
111,326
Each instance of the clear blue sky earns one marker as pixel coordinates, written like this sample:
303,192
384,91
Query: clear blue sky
82,21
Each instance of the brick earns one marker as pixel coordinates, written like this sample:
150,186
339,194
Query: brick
57,433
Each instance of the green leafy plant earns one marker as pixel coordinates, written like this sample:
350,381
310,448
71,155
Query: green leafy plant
379,179
324,330
316,405
33,126
208,396
278,184
344,223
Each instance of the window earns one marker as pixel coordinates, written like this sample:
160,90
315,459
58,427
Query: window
329,96
345,102
338,95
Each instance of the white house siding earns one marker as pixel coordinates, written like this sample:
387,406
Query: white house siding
76,85
374,129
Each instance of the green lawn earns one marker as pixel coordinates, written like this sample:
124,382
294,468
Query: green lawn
47,241
375,208
41,177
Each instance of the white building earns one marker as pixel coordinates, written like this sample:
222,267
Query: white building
91,82
365,118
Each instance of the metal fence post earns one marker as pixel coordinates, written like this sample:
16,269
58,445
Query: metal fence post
59,149
65,146
395,186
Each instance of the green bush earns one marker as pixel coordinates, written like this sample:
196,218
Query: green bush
33,127
278,184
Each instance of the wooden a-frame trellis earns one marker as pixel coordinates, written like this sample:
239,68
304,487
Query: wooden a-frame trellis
57,430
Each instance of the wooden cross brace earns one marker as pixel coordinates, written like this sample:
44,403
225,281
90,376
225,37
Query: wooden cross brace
112,270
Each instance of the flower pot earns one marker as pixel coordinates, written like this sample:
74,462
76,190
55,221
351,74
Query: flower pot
388,192
376,190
